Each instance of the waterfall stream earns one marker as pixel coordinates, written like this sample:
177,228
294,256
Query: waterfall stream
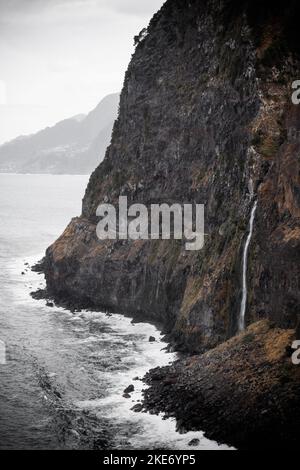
245,265
63,382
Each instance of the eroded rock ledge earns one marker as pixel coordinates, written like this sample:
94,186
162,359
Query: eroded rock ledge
244,393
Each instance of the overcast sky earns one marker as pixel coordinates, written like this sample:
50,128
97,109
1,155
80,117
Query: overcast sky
59,58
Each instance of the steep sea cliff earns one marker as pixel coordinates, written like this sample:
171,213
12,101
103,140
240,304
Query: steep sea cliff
205,116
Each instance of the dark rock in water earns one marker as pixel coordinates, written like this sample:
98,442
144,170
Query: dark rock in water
152,339
39,294
126,395
137,408
136,379
194,443
129,389
39,267
50,304
23,274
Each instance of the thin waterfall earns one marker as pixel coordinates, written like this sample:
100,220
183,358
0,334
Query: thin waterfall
245,265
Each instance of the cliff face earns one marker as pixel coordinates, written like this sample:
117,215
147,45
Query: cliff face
206,117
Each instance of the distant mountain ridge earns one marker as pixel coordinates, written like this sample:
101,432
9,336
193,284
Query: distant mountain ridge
73,146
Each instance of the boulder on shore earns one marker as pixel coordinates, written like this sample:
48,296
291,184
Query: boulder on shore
129,389
244,393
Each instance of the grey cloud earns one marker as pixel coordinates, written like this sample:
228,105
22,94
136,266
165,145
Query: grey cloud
131,7
135,7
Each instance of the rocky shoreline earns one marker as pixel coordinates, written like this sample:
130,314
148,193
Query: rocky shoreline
244,393
76,305
205,117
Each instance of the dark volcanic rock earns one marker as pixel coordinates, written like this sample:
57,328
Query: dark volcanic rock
194,442
137,408
129,389
152,339
39,267
39,294
244,393
206,117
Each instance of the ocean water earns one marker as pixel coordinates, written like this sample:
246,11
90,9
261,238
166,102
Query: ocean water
61,386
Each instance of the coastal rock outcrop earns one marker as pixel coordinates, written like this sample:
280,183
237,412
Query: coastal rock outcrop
205,117
245,392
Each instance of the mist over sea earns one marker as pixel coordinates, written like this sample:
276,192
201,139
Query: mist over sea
63,381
